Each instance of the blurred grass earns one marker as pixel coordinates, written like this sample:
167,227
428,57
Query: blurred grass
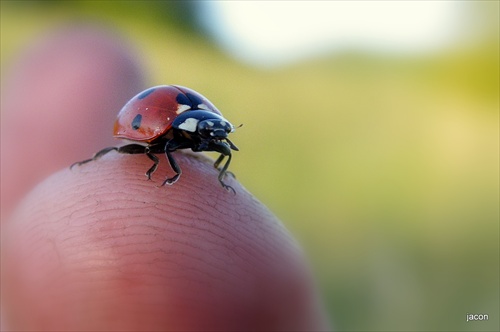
385,168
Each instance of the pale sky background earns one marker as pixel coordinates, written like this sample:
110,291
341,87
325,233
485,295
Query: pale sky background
270,33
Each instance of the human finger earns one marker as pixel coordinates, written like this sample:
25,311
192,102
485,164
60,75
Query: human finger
100,247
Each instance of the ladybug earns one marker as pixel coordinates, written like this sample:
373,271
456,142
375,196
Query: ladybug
166,118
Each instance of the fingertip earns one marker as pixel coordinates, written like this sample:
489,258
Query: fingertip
136,255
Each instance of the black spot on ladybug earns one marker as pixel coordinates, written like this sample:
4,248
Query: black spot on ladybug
195,100
182,99
136,123
146,93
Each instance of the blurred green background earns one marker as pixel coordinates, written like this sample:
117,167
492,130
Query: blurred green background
384,167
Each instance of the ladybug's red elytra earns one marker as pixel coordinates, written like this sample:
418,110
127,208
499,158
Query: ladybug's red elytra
166,118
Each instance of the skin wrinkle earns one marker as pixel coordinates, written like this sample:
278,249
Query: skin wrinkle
201,264
149,242
210,217
187,210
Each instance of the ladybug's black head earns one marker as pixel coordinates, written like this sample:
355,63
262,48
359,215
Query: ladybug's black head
214,128
206,128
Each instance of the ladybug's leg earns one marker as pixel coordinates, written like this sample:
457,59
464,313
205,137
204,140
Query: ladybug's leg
223,172
170,147
223,154
153,168
225,150
126,149
141,149
217,163
95,156
175,167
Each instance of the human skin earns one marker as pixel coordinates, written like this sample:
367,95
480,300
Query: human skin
100,247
